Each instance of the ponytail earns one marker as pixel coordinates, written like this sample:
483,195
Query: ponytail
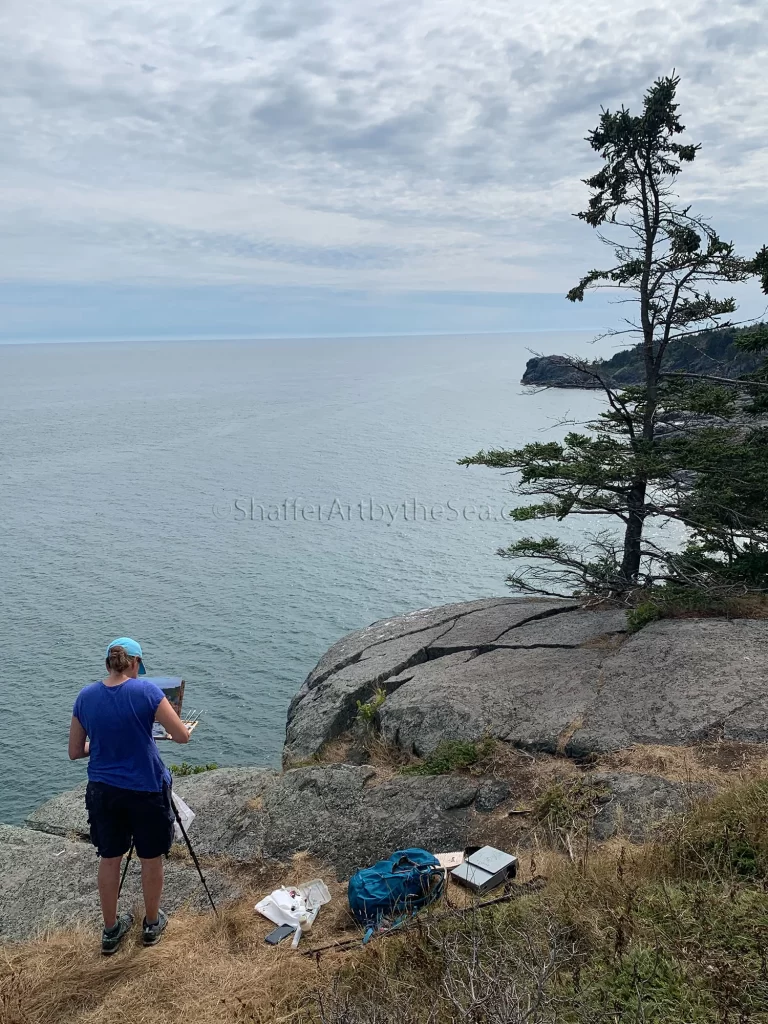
118,659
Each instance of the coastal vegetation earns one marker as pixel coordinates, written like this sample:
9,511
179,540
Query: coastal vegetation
184,769
671,932
628,467
450,756
367,710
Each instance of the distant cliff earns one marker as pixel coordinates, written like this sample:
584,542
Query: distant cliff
714,352
557,372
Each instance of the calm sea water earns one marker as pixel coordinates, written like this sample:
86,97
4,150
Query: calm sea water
226,504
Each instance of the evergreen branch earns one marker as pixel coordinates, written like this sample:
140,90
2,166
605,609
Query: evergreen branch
731,381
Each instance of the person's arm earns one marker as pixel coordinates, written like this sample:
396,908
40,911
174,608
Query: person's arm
78,740
171,722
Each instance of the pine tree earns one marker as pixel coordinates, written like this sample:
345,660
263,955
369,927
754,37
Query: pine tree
725,506
667,259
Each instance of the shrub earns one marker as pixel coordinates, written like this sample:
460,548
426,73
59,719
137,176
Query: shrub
450,756
367,712
567,809
642,615
725,838
675,601
647,984
179,770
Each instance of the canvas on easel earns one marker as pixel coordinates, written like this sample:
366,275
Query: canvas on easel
173,688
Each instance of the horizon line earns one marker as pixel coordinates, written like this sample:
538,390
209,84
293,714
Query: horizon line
132,339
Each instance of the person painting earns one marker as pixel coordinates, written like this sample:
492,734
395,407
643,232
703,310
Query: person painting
128,797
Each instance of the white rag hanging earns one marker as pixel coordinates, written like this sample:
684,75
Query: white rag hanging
185,813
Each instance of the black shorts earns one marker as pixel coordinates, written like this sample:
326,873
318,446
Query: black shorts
119,817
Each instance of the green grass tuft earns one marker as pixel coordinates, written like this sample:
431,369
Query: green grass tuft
450,756
366,712
570,804
180,770
644,613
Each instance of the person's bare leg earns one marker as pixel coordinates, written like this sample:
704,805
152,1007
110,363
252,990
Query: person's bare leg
109,885
152,886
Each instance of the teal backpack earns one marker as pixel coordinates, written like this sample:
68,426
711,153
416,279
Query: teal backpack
395,889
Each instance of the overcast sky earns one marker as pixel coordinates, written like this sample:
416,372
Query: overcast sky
321,166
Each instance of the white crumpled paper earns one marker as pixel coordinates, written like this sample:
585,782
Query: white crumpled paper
283,906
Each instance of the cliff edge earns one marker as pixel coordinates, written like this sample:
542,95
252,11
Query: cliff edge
479,718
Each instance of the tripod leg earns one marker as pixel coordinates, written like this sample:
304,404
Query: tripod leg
194,857
125,870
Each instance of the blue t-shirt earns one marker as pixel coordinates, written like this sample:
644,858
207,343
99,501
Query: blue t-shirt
118,721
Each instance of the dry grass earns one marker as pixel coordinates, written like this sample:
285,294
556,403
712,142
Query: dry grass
334,751
206,969
385,757
365,746
568,733
672,932
719,764
530,775
605,642
528,771
220,971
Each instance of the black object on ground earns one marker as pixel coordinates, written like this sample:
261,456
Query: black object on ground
280,933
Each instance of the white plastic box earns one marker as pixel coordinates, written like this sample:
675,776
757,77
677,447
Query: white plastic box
485,869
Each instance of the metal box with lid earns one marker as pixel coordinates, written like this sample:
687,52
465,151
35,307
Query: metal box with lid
485,869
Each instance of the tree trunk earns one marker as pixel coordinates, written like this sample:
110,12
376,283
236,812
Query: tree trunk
636,511
630,563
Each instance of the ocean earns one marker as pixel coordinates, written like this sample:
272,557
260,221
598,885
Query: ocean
238,506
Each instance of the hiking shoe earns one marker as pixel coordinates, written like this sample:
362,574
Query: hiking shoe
151,933
112,937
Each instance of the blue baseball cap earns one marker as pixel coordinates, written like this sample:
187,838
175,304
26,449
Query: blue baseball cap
131,647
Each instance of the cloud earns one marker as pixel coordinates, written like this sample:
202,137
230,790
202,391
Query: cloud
285,19
741,37
435,145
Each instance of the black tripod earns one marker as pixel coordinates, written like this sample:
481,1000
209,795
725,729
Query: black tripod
191,852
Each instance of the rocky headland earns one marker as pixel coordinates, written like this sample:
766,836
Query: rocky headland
547,697
710,352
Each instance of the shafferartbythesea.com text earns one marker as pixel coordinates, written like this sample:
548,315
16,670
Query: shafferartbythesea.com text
361,510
